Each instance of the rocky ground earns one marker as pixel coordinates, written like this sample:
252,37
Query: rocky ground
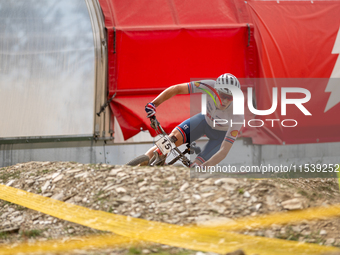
165,194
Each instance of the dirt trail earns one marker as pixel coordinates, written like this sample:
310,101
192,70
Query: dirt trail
165,194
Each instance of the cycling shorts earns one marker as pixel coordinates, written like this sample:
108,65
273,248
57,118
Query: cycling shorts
196,127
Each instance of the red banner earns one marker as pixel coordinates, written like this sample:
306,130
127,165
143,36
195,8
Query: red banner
298,40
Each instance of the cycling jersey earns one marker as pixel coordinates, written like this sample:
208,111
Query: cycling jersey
224,120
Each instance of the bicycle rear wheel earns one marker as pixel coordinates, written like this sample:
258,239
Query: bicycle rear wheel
141,160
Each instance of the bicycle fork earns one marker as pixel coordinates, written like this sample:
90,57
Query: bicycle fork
158,158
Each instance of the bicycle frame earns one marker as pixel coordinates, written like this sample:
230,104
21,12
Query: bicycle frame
181,155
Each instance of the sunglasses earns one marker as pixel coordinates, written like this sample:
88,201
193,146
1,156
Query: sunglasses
225,96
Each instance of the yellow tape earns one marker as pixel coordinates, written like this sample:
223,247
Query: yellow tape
105,241
281,218
203,239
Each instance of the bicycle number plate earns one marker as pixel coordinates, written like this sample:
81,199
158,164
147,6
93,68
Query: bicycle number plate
165,145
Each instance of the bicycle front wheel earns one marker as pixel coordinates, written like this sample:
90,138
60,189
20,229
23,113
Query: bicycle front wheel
141,160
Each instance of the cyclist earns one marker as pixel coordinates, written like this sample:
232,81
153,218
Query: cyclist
219,108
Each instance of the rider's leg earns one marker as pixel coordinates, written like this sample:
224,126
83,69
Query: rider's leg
214,144
186,132
176,133
196,161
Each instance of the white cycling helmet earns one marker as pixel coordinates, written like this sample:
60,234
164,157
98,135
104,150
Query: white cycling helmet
227,79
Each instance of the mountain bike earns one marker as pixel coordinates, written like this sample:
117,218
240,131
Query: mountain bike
165,146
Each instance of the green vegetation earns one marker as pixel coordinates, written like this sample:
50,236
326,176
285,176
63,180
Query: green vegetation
303,193
5,176
325,188
135,251
42,172
3,235
100,196
32,233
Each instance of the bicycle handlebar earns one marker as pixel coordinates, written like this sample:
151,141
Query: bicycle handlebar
155,125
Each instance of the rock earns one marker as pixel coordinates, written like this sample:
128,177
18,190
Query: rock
306,233
10,182
207,195
220,209
29,182
74,171
270,200
228,187
258,206
55,175
330,241
323,232
107,187
135,215
121,190
4,215
125,199
58,178
146,251
253,199
143,189
18,219
301,239
212,221
296,229
197,197
77,199
220,200
168,190
269,233
208,188
231,181
59,196
292,204
237,252
246,194
44,188
208,181
263,189
83,175
184,187
218,182
141,184
171,178
10,230
200,253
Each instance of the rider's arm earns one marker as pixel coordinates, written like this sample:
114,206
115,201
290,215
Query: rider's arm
170,92
220,155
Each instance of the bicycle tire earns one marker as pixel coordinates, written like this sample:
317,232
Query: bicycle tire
141,160
161,163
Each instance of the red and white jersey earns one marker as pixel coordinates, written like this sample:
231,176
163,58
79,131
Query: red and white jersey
224,120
